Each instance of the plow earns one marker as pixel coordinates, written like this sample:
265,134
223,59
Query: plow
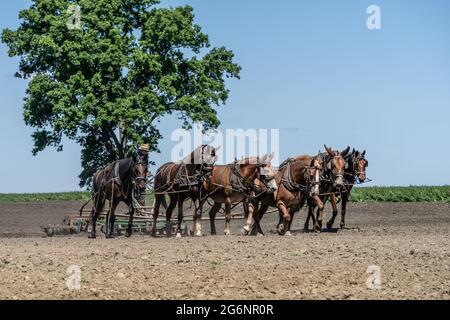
142,223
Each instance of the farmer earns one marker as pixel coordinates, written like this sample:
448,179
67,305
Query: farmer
141,155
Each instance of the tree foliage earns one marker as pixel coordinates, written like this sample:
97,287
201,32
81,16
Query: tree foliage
107,84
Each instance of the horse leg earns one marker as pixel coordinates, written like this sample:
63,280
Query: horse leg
99,203
106,225
181,199
314,202
259,213
292,212
311,207
212,216
112,219
197,224
228,204
343,209
156,205
174,198
130,221
279,226
247,227
286,217
335,212
319,216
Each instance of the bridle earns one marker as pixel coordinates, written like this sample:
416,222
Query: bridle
246,185
356,171
241,183
137,178
205,168
330,173
294,186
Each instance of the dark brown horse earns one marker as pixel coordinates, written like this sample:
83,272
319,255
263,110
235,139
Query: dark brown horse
231,184
332,182
180,181
355,172
298,180
123,180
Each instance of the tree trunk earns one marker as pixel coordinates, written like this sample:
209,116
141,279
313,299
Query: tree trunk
122,138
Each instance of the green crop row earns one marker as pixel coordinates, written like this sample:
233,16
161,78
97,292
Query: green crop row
359,194
401,194
53,196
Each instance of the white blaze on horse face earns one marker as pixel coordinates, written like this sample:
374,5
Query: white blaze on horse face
208,158
269,173
273,184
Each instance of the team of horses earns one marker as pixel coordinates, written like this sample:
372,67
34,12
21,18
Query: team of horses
299,181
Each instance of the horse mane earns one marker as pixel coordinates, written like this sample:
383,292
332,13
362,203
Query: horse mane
249,160
297,158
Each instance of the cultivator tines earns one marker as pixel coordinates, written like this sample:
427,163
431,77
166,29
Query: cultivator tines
142,225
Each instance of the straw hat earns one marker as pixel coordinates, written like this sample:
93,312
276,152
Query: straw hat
144,147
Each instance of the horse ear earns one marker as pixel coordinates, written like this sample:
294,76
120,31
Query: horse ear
330,152
345,152
266,158
364,153
217,148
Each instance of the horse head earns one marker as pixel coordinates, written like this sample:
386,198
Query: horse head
335,165
204,156
360,163
258,168
209,156
313,173
267,172
140,180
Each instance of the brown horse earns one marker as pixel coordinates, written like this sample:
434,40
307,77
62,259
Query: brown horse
298,180
122,180
180,181
355,172
231,183
331,183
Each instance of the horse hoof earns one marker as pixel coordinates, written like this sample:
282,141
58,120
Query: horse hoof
178,236
342,225
226,232
92,236
281,232
128,234
244,231
317,228
260,234
288,234
329,225
199,234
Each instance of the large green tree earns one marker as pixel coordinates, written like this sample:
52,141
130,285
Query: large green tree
107,79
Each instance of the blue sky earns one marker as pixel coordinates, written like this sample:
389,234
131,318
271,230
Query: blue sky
311,69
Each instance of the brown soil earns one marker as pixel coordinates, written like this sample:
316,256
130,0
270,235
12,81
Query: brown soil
409,242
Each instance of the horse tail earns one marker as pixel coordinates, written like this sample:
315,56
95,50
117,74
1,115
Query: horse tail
92,197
